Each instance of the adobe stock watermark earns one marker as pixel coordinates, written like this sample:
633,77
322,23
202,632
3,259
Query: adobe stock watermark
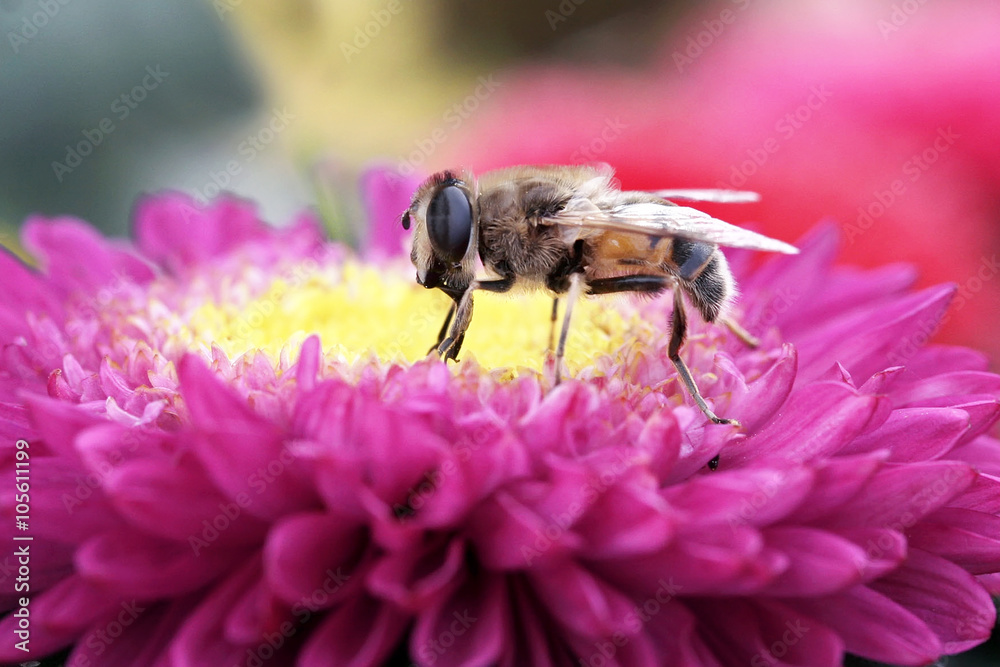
121,107
364,34
231,510
562,12
452,118
899,16
590,151
711,30
101,638
784,129
780,304
912,170
33,23
751,505
86,485
906,348
261,309
246,152
223,7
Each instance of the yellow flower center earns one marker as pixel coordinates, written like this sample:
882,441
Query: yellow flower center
358,310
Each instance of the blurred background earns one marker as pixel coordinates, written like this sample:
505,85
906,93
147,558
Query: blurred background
881,116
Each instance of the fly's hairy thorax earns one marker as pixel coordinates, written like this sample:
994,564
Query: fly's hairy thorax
516,234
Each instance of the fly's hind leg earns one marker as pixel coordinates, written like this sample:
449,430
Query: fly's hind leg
678,332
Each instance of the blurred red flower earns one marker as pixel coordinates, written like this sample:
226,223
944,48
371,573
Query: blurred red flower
880,115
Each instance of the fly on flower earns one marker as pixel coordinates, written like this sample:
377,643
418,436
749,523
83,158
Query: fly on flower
571,231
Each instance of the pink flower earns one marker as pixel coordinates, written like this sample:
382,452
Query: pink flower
310,507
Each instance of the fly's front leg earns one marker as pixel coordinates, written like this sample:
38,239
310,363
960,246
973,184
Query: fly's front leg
575,288
450,346
449,342
444,329
552,326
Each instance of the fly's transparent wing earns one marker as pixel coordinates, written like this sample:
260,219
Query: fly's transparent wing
669,220
709,195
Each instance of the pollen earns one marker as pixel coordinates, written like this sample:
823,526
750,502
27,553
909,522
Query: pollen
360,310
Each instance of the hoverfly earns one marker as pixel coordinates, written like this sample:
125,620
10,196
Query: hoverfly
570,230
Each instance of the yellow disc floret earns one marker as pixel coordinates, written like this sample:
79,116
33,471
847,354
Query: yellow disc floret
360,309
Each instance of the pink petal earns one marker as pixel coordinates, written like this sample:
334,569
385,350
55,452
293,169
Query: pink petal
754,496
944,596
623,520
509,535
466,629
950,383
874,626
25,290
175,231
820,563
57,617
176,501
716,561
363,631
67,503
581,601
914,434
199,643
902,495
969,539
148,630
674,628
309,555
765,395
767,633
307,368
884,548
836,481
78,259
816,421
862,346
243,453
412,578
982,496
130,563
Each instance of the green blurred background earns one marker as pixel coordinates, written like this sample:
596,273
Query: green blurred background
353,81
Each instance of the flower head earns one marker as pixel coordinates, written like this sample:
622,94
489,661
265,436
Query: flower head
240,456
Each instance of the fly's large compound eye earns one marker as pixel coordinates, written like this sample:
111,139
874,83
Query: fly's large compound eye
449,223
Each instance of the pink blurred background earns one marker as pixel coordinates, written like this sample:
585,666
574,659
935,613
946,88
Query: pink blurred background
883,116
